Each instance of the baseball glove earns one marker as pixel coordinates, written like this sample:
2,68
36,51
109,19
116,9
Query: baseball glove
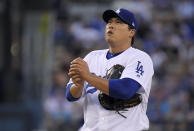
111,103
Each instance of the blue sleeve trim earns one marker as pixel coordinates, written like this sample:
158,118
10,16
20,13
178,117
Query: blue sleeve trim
123,88
68,94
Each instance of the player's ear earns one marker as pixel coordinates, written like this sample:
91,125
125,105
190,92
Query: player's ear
132,32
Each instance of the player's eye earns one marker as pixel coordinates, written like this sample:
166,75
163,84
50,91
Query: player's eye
110,21
119,22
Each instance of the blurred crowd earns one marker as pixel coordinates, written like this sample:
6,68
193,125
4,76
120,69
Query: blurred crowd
167,36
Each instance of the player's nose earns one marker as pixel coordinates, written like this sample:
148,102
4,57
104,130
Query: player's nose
110,26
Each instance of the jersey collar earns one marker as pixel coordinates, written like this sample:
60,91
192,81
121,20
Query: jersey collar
111,55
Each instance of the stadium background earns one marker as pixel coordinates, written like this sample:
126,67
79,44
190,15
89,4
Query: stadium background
38,39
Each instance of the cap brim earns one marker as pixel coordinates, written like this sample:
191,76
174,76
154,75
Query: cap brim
108,14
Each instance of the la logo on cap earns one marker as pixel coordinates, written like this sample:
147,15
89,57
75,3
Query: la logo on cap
133,24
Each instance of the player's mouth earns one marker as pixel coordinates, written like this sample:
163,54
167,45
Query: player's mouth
109,32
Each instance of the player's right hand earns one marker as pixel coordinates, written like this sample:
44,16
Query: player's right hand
76,78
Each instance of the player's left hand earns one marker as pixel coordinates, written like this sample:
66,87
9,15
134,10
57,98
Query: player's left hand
80,67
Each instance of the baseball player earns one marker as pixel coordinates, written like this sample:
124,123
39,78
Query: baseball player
114,83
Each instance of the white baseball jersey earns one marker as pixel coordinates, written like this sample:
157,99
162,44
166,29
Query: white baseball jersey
138,66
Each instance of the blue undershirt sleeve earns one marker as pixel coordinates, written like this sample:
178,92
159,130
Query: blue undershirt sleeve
123,88
68,94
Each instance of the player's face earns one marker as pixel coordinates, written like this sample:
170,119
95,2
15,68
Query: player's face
117,32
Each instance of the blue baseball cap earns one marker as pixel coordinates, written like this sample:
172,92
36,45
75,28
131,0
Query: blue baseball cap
125,15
